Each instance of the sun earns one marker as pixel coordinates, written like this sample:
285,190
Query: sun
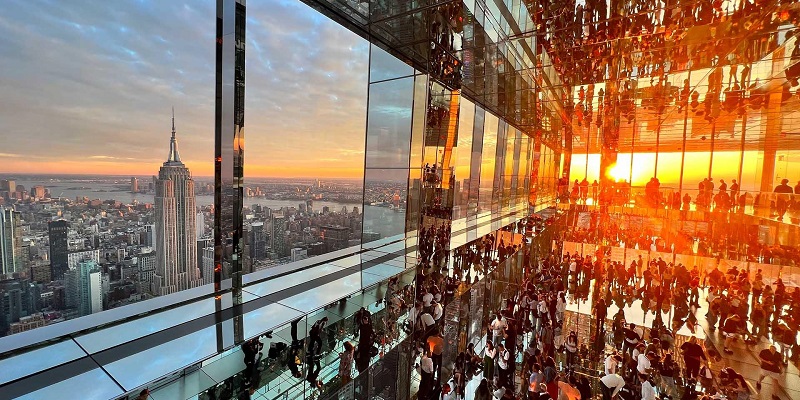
618,172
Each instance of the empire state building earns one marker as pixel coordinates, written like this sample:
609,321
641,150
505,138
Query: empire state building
176,241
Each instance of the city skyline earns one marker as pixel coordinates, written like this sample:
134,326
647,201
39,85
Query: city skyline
114,121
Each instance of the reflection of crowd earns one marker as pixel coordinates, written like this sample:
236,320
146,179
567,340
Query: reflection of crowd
729,240
593,40
637,362
726,237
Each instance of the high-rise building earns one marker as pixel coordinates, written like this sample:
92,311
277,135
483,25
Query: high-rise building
335,237
18,298
257,240
10,241
8,185
74,258
176,225
134,185
38,192
279,246
149,238
201,224
208,265
146,264
202,244
84,286
59,250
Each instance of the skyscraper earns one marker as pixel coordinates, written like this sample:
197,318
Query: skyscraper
279,236
176,228
201,225
258,240
134,185
84,285
149,239
57,234
10,241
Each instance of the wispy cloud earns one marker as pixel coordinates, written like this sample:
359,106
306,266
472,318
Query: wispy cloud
111,158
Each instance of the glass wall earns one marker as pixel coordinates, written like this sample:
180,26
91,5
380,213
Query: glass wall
463,159
488,157
112,139
305,159
389,120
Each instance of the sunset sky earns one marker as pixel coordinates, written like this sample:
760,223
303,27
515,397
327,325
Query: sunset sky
87,87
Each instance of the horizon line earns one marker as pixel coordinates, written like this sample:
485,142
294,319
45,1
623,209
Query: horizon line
7,174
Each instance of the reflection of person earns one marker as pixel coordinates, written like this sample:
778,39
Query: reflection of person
770,364
315,335
143,395
782,201
365,343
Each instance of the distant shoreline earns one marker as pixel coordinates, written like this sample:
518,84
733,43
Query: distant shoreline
5,175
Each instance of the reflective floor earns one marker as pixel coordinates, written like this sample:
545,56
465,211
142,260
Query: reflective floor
744,358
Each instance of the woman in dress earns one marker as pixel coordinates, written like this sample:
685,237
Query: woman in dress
346,363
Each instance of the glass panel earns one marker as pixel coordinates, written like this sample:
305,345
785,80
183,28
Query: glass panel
37,360
101,387
488,163
499,167
163,359
476,162
119,334
389,123
384,209
463,157
383,65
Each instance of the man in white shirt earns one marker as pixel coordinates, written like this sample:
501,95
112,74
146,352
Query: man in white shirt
427,322
648,390
612,363
502,363
610,385
414,314
425,369
426,299
643,363
498,326
437,310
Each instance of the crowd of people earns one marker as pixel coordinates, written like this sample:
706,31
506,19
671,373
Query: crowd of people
636,362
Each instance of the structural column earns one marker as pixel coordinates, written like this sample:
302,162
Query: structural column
772,114
229,167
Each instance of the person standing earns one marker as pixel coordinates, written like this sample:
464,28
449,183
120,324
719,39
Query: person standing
436,345
535,381
489,355
346,363
498,327
632,338
600,314
572,348
504,372
693,355
648,390
425,369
